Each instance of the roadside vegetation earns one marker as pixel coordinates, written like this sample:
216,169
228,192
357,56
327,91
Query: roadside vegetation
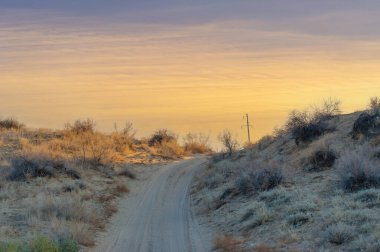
312,185
59,188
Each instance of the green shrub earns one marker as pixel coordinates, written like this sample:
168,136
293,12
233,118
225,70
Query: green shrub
43,244
68,245
13,247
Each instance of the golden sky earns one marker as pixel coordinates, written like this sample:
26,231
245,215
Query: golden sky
57,66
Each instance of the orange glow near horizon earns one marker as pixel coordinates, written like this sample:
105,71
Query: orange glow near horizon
181,78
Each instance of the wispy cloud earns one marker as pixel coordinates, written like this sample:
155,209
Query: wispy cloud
56,62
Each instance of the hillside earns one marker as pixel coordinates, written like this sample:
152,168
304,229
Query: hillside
59,188
280,194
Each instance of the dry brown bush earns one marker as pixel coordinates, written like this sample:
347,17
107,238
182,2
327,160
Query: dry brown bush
197,143
161,136
306,125
81,126
374,105
229,142
11,123
170,150
120,189
228,243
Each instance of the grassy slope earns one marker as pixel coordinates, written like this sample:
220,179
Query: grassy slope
60,206
308,212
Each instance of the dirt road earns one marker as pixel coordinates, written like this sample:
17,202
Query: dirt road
156,216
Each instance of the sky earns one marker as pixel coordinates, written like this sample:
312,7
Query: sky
184,65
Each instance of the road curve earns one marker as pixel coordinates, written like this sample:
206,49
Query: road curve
157,217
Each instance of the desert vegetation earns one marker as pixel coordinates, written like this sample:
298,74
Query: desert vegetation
59,188
312,185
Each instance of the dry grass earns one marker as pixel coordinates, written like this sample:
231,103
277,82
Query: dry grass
197,143
120,189
359,169
66,183
228,243
333,208
170,150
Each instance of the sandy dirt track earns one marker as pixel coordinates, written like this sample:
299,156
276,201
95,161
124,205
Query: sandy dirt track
157,216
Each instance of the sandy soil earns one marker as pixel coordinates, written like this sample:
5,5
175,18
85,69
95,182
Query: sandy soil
157,216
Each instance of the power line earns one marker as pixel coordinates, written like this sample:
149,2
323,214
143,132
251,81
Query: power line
248,127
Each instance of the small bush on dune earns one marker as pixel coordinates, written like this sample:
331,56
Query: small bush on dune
306,126
170,150
358,171
166,145
374,105
339,234
32,165
329,108
90,149
11,123
125,139
197,143
303,127
81,126
259,176
321,159
229,141
365,125
161,136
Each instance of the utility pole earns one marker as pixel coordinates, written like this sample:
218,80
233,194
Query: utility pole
248,127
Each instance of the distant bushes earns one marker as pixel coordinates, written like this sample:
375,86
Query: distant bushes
358,170
11,123
161,136
81,126
197,143
229,142
306,126
166,144
170,149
